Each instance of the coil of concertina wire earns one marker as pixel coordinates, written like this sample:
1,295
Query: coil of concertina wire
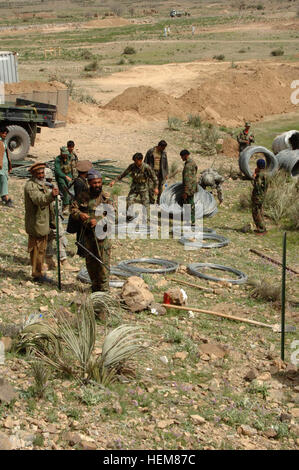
167,266
83,275
219,242
248,152
171,201
194,269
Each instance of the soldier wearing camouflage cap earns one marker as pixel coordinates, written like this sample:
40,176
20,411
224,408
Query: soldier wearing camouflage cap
244,138
63,175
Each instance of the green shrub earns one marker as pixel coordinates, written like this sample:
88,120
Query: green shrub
92,67
129,50
219,57
174,123
277,52
194,121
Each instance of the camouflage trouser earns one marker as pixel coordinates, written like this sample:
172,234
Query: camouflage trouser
258,216
51,248
141,194
62,185
98,273
190,200
151,188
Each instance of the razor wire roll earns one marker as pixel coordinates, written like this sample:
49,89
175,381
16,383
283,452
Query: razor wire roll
219,241
195,270
286,141
248,152
167,266
288,160
171,201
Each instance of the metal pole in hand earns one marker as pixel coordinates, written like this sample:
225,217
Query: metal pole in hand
283,294
57,242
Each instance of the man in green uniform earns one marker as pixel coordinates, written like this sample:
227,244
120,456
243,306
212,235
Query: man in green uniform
74,158
141,175
244,138
189,182
5,168
156,158
260,186
63,175
84,210
38,218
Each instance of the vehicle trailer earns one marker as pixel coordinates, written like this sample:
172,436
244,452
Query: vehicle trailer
24,119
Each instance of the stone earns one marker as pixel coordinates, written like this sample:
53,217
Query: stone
71,438
197,419
276,396
285,417
136,294
270,433
216,349
182,355
264,377
205,357
247,430
295,412
5,443
7,392
87,445
7,341
52,428
8,423
251,375
214,385
176,296
160,310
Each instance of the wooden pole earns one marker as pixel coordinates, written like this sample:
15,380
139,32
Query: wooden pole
283,294
206,289
222,315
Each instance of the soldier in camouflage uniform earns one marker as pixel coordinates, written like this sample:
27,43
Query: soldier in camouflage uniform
141,175
74,157
260,186
84,210
211,178
189,181
63,175
156,158
244,139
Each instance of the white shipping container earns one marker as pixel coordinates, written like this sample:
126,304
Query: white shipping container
8,67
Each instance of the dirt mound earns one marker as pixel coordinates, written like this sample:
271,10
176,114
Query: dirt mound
230,97
28,86
107,23
230,147
147,102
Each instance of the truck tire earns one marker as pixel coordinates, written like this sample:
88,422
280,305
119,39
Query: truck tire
18,143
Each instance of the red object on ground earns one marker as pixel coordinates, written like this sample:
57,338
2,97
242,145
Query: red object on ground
166,299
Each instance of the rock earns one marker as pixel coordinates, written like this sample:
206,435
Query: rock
264,377
160,310
135,293
176,296
165,423
7,341
205,357
7,392
210,348
295,412
164,359
52,428
182,355
88,445
71,438
276,396
197,419
285,417
8,423
270,433
5,443
214,385
247,430
274,370
251,375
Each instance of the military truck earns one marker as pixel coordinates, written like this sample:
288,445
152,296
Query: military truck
24,119
176,13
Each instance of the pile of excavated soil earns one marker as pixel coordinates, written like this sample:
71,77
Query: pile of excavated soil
109,22
148,102
230,97
28,86
230,147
